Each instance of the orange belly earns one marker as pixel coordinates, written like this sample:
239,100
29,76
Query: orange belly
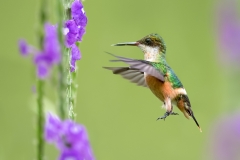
163,90
160,89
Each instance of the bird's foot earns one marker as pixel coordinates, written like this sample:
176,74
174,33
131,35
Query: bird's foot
173,113
166,115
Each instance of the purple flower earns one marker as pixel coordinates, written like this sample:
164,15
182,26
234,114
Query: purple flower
51,45
49,56
75,55
23,47
81,32
70,154
72,33
75,26
42,69
225,138
52,128
75,29
69,137
228,24
78,13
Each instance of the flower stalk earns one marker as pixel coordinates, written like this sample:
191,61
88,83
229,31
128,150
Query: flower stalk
69,80
65,78
40,85
75,23
40,121
61,66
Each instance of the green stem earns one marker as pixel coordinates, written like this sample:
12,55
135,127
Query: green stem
70,93
61,92
40,121
64,13
70,103
65,76
73,97
40,83
62,72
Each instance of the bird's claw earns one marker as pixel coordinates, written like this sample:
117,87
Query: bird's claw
173,113
166,115
163,117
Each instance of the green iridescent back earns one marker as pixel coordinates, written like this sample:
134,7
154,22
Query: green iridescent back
167,70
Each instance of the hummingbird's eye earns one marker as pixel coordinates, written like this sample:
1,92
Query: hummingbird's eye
148,41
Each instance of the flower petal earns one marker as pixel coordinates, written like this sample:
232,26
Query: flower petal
52,128
42,70
73,65
70,138
51,44
76,54
23,47
71,135
70,39
81,32
78,13
72,26
71,155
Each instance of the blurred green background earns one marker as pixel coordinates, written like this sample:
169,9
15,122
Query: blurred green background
120,117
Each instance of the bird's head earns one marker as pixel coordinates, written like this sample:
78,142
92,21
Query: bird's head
152,46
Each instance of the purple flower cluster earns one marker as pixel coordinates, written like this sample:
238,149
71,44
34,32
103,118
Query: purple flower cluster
69,137
228,24
74,31
225,138
49,56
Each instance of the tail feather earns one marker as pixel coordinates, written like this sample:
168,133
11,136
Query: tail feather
196,122
184,105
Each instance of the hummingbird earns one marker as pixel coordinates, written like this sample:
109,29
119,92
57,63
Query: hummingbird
155,73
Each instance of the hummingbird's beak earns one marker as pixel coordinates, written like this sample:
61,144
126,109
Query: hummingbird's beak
126,44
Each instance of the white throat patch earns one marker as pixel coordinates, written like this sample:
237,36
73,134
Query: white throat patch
150,53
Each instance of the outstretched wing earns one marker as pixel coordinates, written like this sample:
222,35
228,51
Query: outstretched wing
134,75
141,65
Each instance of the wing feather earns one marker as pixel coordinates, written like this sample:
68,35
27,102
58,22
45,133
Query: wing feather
134,75
141,65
